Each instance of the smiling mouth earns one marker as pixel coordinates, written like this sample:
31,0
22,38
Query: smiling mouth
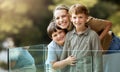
78,23
61,39
63,23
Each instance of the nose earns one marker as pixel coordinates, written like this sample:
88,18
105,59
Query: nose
58,36
61,19
77,19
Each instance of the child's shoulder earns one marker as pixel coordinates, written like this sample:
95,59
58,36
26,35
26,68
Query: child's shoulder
52,44
69,34
92,33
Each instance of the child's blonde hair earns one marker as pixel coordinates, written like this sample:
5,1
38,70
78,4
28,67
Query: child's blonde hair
78,8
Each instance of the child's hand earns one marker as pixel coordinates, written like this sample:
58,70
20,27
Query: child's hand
71,60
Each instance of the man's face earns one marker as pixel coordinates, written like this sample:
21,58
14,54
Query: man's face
59,37
62,18
79,20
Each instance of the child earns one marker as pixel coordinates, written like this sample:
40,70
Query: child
82,42
55,47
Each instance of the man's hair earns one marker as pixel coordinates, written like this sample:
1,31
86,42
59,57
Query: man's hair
52,27
78,8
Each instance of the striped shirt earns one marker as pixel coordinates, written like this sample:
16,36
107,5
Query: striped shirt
86,48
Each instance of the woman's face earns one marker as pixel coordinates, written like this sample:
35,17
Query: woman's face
59,37
62,18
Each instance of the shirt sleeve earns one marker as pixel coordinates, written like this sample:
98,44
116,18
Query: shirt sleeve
51,57
96,54
96,24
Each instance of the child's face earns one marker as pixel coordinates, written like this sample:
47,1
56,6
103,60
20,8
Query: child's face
79,20
62,18
59,37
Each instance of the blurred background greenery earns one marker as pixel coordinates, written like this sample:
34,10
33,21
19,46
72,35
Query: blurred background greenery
26,20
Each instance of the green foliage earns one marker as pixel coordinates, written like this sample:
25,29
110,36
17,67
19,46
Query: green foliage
13,18
115,19
3,65
112,1
88,3
24,20
28,36
103,10
27,20
12,24
8,23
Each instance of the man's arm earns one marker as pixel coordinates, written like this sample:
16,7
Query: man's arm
100,25
106,29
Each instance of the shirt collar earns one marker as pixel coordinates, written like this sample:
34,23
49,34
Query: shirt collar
84,33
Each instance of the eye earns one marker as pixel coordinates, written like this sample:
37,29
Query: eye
80,17
56,18
60,32
74,17
63,16
54,35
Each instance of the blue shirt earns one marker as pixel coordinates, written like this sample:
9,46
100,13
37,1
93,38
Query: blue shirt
54,54
21,56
